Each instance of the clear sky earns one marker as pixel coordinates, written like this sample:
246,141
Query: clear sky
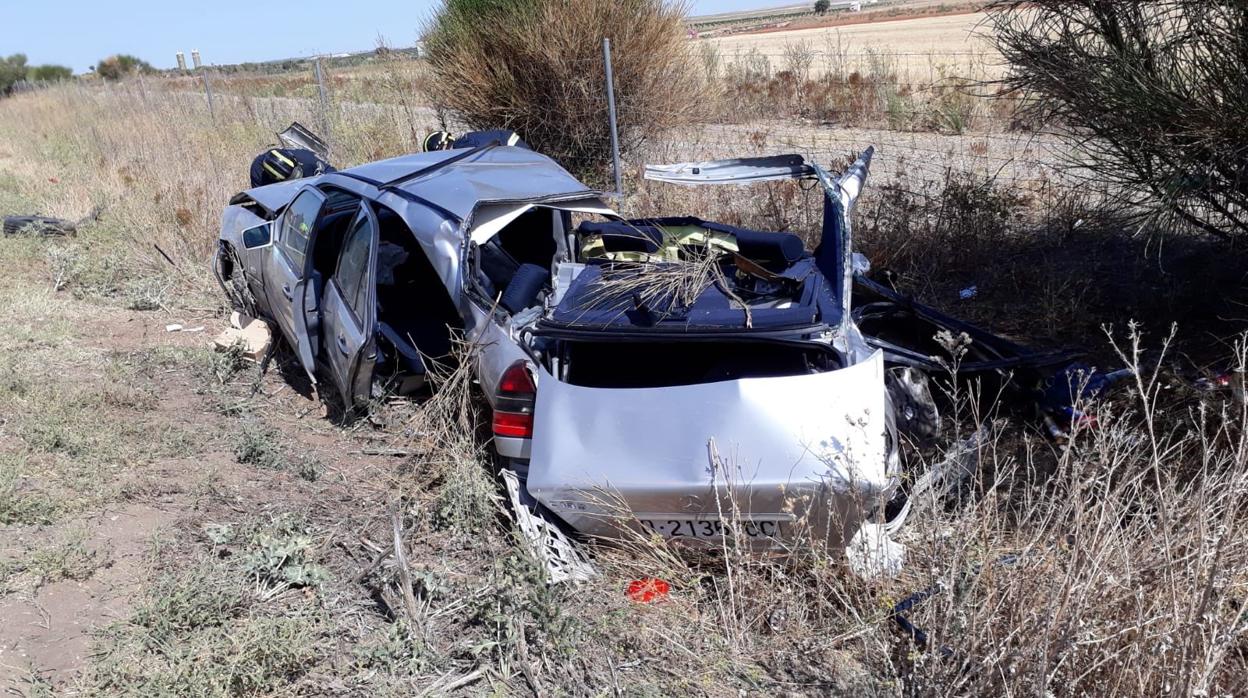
78,33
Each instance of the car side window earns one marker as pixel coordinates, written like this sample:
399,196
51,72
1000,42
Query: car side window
353,267
297,227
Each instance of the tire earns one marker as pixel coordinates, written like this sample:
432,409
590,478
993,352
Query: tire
229,271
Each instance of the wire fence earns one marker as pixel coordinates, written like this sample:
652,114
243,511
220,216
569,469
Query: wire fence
363,121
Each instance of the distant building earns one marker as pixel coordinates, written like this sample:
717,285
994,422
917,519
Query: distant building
181,61
195,58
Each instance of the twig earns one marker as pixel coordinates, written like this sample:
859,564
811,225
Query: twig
405,572
396,452
372,567
370,545
525,668
462,681
167,259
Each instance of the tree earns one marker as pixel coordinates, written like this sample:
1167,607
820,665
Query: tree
536,67
49,73
1153,97
12,71
822,6
122,65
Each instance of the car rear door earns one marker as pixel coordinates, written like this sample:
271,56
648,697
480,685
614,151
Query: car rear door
290,286
349,310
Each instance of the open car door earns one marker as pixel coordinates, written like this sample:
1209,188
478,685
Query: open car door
291,285
349,311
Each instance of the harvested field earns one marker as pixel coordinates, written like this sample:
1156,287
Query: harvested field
922,49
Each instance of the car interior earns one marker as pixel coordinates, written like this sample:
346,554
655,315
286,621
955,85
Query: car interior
416,318
514,267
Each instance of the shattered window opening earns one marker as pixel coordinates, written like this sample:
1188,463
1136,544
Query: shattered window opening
297,227
353,265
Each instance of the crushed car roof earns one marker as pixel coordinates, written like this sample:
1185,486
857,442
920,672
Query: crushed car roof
457,180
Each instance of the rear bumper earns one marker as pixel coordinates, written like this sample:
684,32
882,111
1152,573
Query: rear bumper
512,447
764,515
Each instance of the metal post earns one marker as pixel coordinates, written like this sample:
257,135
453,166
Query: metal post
212,112
324,100
615,136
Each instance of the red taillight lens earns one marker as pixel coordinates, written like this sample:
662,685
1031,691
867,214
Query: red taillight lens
517,381
648,589
513,407
513,424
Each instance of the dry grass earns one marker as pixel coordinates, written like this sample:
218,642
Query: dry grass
925,45
1125,576
162,164
537,68
659,287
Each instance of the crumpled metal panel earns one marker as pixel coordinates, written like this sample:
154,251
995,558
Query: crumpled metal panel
297,135
496,174
733,171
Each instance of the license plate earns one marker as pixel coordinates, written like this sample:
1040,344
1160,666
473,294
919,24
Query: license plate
710,528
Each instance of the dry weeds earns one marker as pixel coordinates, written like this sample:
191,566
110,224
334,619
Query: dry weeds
1108,567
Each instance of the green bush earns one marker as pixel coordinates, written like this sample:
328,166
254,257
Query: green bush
49,73
1152,97
12,71
122,65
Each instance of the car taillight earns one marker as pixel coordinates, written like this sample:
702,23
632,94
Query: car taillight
513,406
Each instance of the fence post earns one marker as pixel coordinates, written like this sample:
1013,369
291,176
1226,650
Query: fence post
212,111
324,100
615,136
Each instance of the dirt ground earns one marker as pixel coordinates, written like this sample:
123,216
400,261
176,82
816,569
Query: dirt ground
120,449
175,524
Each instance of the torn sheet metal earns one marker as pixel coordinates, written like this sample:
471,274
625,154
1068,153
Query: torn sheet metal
490,219
297,135
734,171
876,304
872,553
563,560
807,451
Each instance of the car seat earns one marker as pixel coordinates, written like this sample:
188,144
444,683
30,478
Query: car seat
524,288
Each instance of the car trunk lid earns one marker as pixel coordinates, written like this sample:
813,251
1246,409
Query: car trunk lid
809,449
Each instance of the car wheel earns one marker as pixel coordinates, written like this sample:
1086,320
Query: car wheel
234,282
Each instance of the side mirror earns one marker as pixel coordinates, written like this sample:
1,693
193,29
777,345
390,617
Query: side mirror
259,236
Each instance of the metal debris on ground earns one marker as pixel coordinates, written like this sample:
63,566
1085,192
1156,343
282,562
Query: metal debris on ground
563,559
872,553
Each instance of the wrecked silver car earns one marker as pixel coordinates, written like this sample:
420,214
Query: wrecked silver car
674,376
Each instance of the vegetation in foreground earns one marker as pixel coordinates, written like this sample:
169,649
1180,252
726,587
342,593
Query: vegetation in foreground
1154,94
